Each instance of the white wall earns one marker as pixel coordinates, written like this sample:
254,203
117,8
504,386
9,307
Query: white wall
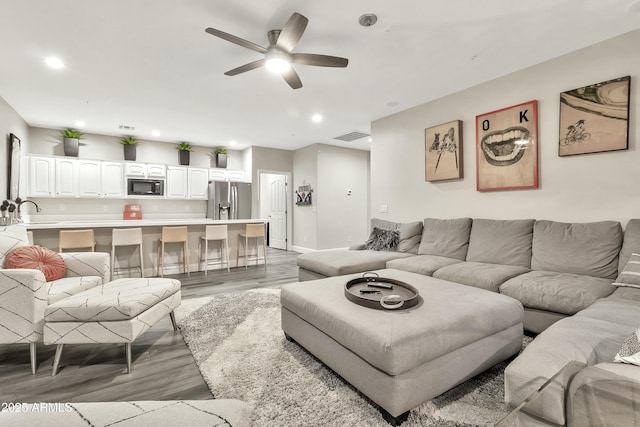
12,123
589,187
305,218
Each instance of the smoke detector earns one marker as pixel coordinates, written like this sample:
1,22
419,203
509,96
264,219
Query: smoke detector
368,19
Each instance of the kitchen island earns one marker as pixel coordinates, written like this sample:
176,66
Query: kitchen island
45,234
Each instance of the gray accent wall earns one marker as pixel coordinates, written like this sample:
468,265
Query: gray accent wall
12,123
582,188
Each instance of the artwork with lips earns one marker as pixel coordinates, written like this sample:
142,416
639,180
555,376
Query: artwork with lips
507,148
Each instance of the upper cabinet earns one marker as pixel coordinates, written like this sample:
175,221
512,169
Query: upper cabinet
66,177
41,176
198,183
89,178
187,183
112,179
226,175
145,170
177,180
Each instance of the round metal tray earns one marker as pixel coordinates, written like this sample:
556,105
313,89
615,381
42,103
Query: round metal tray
401,295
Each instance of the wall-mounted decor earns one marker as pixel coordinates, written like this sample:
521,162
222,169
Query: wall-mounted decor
443,151
13,168
595,118
303,195
507,148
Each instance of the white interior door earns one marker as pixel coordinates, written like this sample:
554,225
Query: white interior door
273,191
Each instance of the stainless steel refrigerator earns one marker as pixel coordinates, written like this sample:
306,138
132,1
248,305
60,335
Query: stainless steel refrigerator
229,200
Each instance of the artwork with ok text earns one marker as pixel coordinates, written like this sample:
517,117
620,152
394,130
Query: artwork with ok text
507,148
443,151
595,118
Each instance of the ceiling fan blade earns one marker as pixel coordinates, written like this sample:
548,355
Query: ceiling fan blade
292,32
319,60
236,40
292,78
246,67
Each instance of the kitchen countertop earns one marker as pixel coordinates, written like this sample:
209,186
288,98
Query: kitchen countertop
47,225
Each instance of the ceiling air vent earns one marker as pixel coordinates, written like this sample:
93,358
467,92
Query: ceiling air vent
126,127
352,136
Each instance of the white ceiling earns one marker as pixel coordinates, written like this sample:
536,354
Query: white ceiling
150,64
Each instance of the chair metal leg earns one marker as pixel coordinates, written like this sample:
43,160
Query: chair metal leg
226,249
173,321
186,258
264,251
128,350
32,354
206,256
141,262
56,359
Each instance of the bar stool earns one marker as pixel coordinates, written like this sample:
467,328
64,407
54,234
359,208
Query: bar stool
76,239
126,237
173,235
214,233
252,231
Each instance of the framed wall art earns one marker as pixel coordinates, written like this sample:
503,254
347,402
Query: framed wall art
507,148
13,167
595,118
443,151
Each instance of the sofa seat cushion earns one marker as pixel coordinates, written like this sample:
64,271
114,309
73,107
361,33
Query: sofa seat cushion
630,294
421,264
479,274
558,292
341,261
582,339
121,299
589,249
615,311
506,242
68,286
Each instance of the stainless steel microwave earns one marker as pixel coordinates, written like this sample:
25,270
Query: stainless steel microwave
145,187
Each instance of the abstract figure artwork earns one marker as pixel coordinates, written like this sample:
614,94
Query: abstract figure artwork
595,118
443,151
507,148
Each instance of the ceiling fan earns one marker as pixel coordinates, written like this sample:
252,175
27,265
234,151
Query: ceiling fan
278,56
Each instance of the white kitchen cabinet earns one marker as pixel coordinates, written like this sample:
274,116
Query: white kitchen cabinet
198,183
66,177
156,171
177,182
145,170
42,176
235,175
137,170
226,175
89,178
112,179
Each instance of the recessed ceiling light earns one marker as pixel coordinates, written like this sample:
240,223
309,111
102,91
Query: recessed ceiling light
155,133
54,62
370,139
79,123
233,143
317,118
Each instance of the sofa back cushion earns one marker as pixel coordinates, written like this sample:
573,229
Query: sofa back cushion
12,237
589,249
445,237
631,242
498,241
409,232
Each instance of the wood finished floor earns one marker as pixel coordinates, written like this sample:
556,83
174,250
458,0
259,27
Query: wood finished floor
163,367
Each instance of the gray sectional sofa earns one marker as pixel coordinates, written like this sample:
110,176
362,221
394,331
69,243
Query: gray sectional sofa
562,273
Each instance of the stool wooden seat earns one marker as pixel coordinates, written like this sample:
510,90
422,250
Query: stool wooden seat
252,231
126,237
76,239
216,233
173,235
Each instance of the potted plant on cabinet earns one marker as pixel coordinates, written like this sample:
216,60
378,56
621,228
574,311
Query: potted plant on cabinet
220,157
71,141
184,153
129,143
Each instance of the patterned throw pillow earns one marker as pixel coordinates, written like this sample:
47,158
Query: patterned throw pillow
38,258
630,350
630,275
382,240
11,237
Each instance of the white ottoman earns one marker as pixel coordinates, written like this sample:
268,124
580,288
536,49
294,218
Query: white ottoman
116,312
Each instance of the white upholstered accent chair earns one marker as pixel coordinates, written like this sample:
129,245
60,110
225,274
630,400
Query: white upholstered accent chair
26,294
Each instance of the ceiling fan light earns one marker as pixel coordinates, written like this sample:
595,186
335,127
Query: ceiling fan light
278,65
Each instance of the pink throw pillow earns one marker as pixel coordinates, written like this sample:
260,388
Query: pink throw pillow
38,258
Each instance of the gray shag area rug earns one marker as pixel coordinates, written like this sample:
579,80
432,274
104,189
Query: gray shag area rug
242,353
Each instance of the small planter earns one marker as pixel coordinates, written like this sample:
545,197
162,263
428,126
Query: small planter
71,146
184,157
129,152
221,160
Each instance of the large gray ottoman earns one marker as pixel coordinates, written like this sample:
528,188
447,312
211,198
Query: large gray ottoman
402,358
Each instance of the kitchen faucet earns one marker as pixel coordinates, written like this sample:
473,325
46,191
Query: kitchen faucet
19,215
